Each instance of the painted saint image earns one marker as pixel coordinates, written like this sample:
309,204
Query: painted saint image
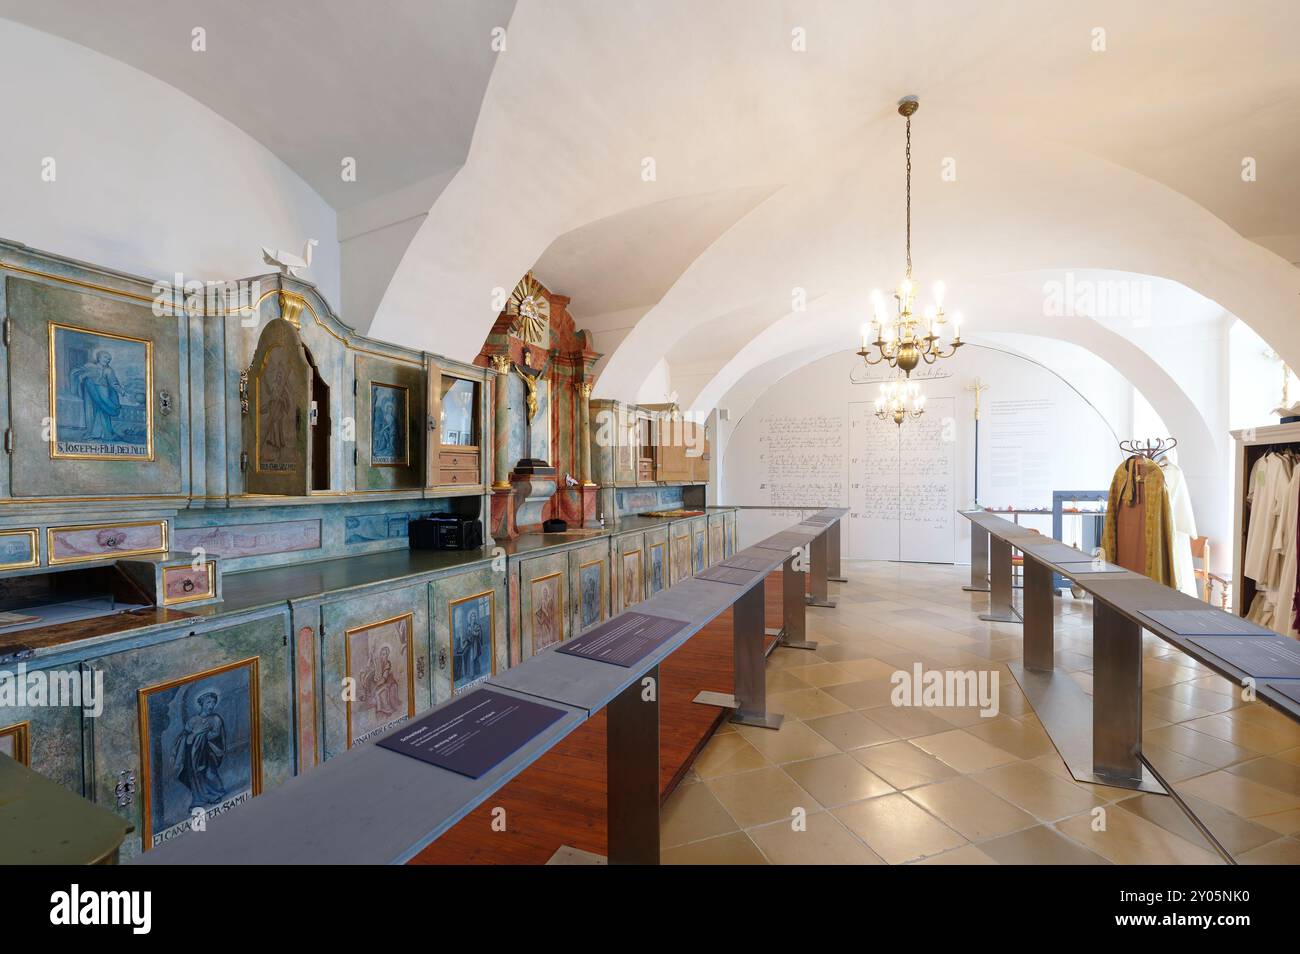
700,561
548,612
388,425
199,751
632,582
591,581
276,406
379,662
471,640
656,568
101,393
199,742
681,567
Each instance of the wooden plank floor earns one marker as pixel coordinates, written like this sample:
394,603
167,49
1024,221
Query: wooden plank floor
560,799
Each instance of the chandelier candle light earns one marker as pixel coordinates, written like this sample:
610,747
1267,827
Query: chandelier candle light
906,340
900,399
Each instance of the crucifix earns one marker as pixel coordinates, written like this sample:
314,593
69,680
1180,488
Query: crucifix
977,387
531,376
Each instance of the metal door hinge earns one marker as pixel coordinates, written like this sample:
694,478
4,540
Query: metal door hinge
8,330
9,440
243,461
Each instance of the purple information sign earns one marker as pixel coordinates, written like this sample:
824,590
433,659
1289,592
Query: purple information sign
1262,657
625,640
475,733
1206,622
1289,689
728,574
742,562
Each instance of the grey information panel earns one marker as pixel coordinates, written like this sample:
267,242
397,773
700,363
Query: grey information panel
1289,689
758,564
474,733
1261,657
1206,622
625,640
728,574
1090,566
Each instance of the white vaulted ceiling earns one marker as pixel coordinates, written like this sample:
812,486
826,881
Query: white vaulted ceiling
395,84
777,172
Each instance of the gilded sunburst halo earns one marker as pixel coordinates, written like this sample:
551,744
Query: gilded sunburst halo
531,308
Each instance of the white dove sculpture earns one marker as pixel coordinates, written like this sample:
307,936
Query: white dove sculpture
287,261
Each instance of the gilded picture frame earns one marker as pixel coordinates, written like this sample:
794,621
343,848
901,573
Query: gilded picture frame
17,740
32,545
104,394
659,561
143,697
602,594
544,583
638,575
454,612
390,440
349,637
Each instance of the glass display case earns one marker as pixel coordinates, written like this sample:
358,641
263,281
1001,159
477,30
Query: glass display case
456,421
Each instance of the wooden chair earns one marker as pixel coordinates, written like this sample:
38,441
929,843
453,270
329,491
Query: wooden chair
1201,551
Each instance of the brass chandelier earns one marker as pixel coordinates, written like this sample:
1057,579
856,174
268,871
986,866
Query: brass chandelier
899,400
906,340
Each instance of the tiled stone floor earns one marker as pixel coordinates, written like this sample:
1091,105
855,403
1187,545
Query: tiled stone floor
886,785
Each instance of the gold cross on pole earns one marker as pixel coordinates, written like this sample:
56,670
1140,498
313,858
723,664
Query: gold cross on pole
977,387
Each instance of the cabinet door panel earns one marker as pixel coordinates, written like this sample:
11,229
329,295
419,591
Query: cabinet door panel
44,737
379,644
276,427
192,727
391,422
96,403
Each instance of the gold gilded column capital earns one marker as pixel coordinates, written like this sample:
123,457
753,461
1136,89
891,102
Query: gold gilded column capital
583,388
501,363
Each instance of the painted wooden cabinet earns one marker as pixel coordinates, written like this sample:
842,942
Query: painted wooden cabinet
46,738
717,538
391,423
375,670
470,629
191,727
457,440
545,607
630,570
589,585
96,400
658,561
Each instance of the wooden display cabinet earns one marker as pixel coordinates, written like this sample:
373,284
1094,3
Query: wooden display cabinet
455,429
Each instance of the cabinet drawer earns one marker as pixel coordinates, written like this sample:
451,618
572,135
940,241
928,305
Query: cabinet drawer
645,470
184,583
458,460
460,477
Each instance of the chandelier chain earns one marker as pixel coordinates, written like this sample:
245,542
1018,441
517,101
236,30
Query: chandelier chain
908,153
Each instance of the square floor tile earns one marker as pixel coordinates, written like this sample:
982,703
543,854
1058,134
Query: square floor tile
1040,845
825,841
837,780
963,751
761,796
897,829
902,764
851,730
969,809
691,813
733,849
